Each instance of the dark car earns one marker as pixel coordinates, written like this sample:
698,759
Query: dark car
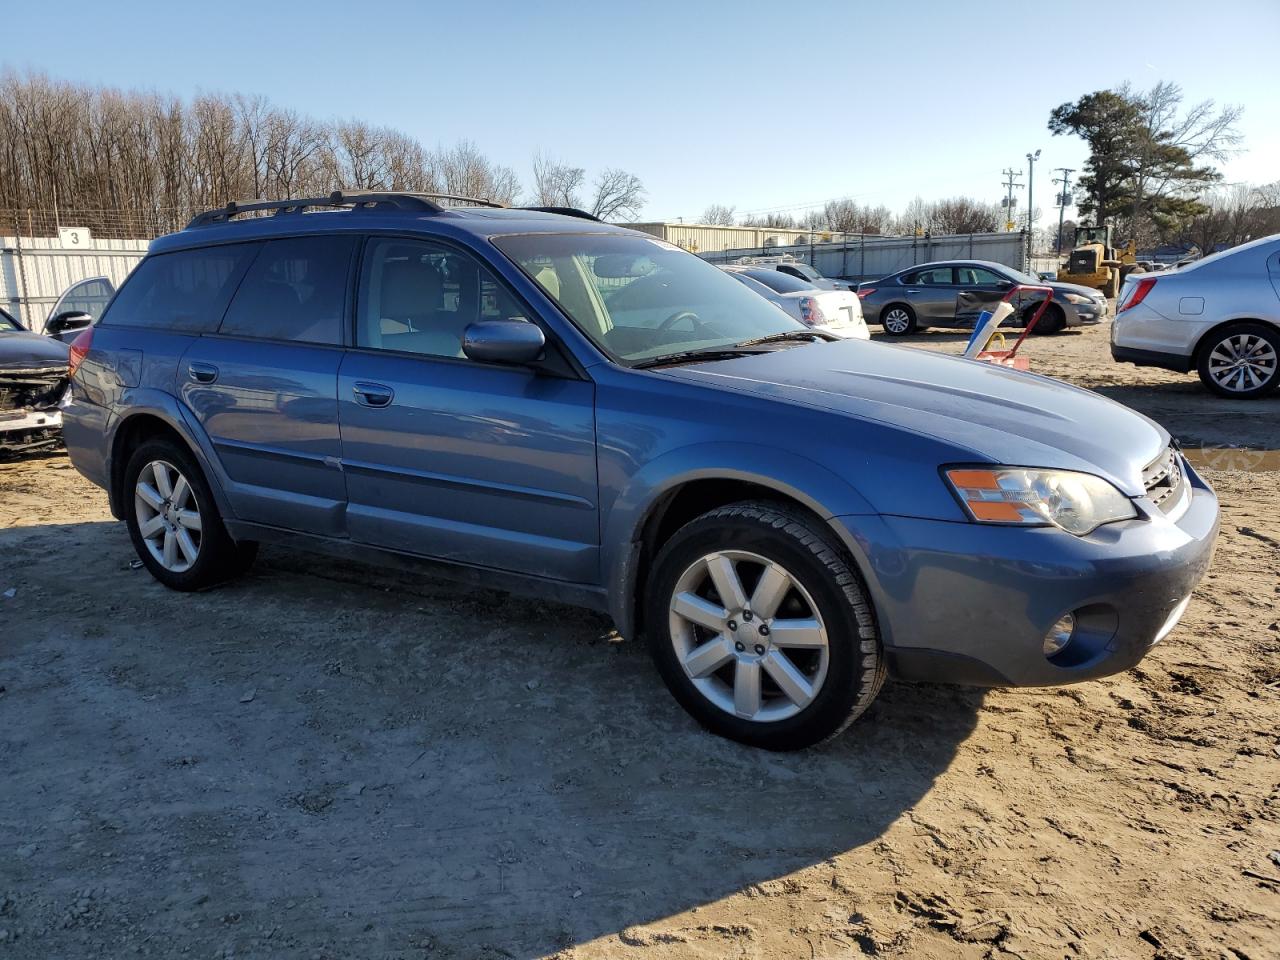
569,409
33,378
952,293
792,267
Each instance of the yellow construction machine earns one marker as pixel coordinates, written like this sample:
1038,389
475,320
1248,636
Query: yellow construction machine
1096,262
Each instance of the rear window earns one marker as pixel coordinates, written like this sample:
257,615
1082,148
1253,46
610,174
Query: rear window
295,290
779,281
184,291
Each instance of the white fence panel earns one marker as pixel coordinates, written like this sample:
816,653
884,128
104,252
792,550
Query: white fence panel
870,258
34,271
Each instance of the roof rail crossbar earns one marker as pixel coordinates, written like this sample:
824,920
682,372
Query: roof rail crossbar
566,212
421,202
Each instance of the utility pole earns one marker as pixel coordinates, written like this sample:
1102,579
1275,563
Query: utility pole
1031,201
1064,198
1009,183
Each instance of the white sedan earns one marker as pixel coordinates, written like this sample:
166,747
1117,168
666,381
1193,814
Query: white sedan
837,312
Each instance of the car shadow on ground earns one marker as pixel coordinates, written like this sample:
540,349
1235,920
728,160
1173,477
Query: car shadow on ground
358,761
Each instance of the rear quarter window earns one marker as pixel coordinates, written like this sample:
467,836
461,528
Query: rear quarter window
185,291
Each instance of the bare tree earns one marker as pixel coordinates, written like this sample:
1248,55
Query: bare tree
465,171
963,215
1173,153
618,194
556,184
132,164
718,215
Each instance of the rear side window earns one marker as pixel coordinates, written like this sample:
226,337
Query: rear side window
184,291
296,289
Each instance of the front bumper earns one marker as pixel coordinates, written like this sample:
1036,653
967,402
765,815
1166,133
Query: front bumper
18,421
971,603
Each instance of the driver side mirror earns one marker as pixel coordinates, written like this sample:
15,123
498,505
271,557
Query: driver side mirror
1004,284
71,321
504,341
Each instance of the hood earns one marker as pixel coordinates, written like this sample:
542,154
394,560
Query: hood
1059,287
25,349
1001,415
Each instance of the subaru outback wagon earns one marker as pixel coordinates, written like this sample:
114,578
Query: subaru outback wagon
561,407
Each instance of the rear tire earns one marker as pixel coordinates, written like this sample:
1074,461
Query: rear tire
1255,347
173,519
795,671
898,320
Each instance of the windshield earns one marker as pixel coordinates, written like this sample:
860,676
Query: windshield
1017,276
805,270
639,298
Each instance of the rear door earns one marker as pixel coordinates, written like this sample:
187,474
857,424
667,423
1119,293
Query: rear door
932,294
264,386
448,457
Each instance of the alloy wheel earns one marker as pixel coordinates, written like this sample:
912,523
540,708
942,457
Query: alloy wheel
168,516
1242,361
897,321
749,635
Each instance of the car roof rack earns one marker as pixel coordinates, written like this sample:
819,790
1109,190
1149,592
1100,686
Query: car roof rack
359,199
566,212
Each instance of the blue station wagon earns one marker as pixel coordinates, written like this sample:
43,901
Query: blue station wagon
556,406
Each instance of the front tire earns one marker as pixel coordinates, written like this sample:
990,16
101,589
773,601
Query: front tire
1053,321
898,320
761,628
1241,362
173,520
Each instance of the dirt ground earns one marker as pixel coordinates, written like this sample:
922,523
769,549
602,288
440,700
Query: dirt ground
324,760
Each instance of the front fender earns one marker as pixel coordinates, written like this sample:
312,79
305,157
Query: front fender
795,477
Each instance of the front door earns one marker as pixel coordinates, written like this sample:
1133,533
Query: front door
978,289
445,457
264,387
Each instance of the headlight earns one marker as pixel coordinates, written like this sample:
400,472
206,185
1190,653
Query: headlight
1077,502
1079,298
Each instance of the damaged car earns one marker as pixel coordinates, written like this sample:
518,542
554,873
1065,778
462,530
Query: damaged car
33,378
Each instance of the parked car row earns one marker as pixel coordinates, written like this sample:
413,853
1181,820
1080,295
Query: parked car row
574,410
836,311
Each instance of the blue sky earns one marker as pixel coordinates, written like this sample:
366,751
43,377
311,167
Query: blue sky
761,105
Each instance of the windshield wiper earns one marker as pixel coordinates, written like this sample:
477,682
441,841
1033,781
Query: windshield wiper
785,335
685,356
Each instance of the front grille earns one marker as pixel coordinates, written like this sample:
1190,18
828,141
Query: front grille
1165,480
1084,261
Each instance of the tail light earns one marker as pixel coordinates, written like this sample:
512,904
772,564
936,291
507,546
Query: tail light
79,350
811,313
863,294
1139,294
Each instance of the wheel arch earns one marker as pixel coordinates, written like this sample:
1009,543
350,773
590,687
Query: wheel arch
1202,341
148,420
640,523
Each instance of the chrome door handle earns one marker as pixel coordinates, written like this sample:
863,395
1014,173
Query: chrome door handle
913,291
202,372
373,394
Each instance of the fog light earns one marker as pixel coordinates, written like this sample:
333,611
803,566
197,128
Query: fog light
1059,635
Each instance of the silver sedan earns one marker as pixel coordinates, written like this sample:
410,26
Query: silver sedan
1219,316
